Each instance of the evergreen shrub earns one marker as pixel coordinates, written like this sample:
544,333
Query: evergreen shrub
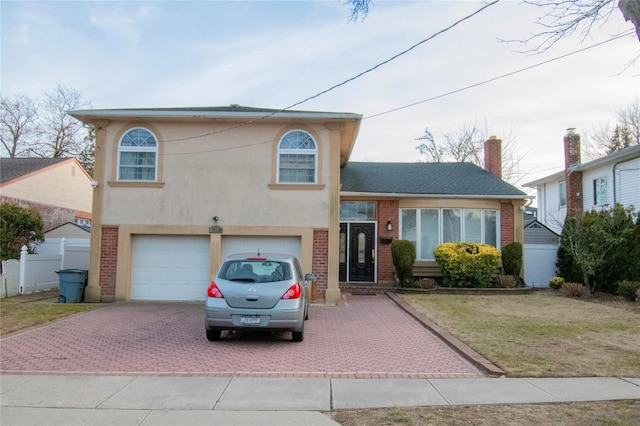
403,254
467,264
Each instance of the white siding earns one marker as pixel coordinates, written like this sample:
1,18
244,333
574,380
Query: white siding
550,212
627,189
587,188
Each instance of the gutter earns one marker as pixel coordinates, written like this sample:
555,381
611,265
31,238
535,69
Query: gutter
615,165
456,196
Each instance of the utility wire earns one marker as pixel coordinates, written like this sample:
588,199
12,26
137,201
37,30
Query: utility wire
627,33
404,52
509,74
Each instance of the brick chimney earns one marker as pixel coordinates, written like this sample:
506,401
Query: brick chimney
493,156
573,178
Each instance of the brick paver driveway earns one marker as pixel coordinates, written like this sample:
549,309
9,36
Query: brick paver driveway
368,337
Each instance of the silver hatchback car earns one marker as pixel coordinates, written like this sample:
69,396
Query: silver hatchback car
258,292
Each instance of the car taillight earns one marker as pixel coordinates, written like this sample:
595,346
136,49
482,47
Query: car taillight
214,291
293,292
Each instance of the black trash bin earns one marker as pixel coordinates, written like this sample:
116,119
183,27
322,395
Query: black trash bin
71,285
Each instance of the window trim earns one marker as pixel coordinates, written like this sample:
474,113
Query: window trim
314,152
115,165
418,231
597,201
138,149
562,184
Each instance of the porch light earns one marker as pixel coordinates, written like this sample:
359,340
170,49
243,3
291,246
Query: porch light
389,226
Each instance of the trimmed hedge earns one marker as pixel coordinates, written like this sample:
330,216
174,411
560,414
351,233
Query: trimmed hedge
512,258
467,264
403,254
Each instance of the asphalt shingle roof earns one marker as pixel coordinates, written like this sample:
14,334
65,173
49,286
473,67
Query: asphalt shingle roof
455,179
13,168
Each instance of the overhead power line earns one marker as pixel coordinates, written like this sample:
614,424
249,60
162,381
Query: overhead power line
509,74
404,52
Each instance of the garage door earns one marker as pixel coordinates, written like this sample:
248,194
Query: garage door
248,244
170,267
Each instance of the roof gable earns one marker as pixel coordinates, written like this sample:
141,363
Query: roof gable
441,179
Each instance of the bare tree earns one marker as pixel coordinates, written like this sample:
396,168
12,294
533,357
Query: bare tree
466,144
625,133
61,135
18,122
432,152
559,19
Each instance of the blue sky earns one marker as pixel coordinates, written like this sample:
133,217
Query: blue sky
272,54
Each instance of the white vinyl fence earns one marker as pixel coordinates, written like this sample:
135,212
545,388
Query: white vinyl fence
37,272
539,264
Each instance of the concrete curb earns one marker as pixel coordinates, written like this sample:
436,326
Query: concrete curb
453,342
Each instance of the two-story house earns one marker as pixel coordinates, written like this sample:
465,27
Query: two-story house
178,189
601,183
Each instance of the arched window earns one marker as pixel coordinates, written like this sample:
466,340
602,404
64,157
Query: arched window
297,158
138,156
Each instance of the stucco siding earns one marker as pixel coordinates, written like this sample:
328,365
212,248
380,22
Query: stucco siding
226,174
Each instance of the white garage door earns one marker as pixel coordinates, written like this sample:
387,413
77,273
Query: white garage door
170,267
248,244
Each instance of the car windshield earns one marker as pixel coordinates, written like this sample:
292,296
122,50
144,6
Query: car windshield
264,271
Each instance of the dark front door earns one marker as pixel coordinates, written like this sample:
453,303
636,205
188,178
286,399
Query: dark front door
342,271
361,251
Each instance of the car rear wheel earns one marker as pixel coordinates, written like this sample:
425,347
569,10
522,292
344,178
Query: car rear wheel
213,335
298,336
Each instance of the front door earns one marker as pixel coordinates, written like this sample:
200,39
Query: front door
361,251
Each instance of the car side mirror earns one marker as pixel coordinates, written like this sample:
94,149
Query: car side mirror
309,277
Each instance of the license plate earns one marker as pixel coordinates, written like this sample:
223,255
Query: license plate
250,319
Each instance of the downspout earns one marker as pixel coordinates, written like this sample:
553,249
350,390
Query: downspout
615,165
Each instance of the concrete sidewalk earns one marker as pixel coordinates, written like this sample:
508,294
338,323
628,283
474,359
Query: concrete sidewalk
153,400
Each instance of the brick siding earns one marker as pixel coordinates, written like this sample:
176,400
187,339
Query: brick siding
52,216
108,263
507,226
387,211
320,265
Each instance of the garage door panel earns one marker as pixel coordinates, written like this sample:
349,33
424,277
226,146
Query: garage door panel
170,267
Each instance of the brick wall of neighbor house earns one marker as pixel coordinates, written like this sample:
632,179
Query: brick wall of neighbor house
387,211
320,265
507,225
493,156
573,179
108,264
52,216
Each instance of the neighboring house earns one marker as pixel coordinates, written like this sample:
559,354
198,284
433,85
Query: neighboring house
72,233
58,188
178,189
601,183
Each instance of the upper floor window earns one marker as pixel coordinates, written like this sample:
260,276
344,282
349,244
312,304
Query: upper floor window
138,156
297,158
600,196
562,189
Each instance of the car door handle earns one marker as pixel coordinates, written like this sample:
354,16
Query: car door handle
251,297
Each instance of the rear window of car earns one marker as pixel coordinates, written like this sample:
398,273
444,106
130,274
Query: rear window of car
263,271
